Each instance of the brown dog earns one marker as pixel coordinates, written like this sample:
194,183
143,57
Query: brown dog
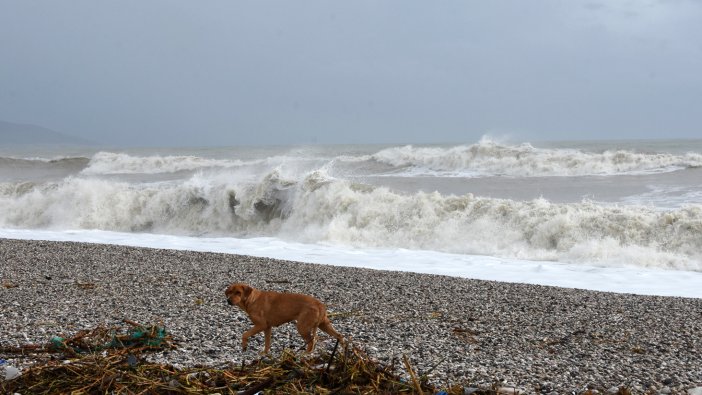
267,309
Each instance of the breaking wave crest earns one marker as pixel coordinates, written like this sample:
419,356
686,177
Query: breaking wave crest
39,163
482,159
318,208
120,163
488,158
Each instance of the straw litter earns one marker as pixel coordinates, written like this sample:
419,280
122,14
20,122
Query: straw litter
115,360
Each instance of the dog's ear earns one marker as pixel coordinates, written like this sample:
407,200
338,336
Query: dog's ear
247,291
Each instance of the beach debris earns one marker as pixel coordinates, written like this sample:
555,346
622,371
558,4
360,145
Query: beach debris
466,335
278,281
415,381
509,391
9,372
100,338
85,285
127,370
116,360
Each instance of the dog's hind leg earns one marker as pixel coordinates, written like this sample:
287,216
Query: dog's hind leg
327,328
308,334
307,327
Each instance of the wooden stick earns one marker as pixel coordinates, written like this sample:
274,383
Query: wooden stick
412,375
331,359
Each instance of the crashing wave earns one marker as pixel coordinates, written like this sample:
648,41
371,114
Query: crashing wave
489,158
319,208
120,163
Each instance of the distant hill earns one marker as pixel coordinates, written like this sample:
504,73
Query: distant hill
17,133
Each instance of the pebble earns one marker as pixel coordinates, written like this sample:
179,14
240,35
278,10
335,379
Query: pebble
475,333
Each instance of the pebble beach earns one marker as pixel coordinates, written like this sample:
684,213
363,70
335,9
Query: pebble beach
536,339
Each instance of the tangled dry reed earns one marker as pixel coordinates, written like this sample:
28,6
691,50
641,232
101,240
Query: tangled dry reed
114,360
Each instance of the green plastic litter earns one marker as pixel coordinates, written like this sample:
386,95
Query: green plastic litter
136,337
141,337
57,342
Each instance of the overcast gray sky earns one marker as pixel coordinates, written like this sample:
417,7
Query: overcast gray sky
295,72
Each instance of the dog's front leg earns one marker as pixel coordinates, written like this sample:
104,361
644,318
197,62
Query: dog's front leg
245,337
267,348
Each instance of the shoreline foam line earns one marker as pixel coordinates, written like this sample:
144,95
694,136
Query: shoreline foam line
622,279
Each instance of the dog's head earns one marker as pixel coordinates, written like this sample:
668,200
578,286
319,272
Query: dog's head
237,294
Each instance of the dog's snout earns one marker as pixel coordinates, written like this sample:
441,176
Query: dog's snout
229,302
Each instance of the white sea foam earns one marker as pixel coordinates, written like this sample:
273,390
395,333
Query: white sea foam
316,208
311,204
490,158
623,279
484,158
121,163
667,197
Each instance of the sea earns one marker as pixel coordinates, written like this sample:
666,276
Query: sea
615,216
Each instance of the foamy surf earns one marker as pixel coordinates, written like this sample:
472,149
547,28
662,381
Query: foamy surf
621,279
121,163
486,158
317,208
587,205
490,158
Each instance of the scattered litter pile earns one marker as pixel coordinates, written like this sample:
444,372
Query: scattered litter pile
136,336
113,360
